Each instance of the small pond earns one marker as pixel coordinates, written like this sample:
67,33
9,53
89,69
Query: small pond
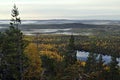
82,55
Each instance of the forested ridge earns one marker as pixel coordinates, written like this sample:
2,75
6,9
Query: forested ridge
53,57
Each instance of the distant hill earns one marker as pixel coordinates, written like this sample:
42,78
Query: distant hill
63,21
74,26
61,26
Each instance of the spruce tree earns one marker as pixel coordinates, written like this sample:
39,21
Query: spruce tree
91,63
100,68
114,73
12,49
1,55
71,53
100,63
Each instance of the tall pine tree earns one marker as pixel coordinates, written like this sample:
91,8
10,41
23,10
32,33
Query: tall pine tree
70,56
12,48
100,63
114,73
90,65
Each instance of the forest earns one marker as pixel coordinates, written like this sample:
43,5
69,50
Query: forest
53,57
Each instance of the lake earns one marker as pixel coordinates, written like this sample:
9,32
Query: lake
82,55
65,31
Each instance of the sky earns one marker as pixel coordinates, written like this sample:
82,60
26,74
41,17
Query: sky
62,9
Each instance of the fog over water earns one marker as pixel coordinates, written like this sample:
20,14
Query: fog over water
30,27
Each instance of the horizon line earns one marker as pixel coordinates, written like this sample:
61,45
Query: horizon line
66,19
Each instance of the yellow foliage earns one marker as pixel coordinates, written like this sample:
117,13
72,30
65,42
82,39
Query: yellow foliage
52,55
28,38
46,46
83,63
34,69
107,68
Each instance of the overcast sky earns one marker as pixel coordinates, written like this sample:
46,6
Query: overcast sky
62,9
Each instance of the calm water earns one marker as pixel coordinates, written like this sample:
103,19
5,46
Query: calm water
2,27
82,55
45,31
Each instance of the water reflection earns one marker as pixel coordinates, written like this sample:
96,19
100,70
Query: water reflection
82,55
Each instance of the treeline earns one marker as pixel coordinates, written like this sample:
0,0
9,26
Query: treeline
107,45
